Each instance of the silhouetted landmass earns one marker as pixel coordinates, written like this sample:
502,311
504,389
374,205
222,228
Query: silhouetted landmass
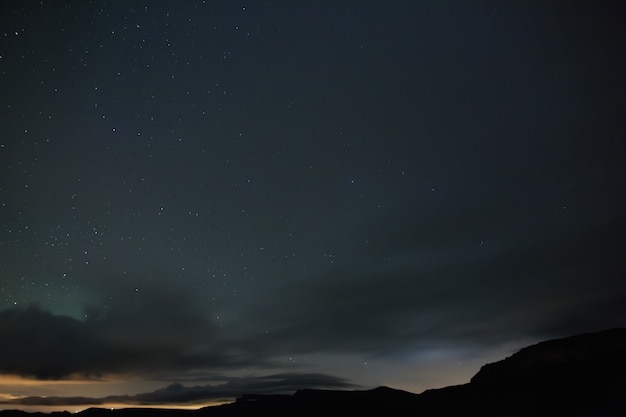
583,375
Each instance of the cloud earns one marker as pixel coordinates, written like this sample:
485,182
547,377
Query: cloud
275,383
147,332
38,344
178,394
155,333
455,293
446,295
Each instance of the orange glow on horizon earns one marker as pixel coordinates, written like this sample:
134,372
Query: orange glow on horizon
111,406
13,388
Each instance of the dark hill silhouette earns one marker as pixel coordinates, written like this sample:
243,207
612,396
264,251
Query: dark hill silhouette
581,375
578,375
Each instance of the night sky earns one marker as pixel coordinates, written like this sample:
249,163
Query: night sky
200,199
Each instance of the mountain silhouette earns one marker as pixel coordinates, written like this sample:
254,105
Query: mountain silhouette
581,375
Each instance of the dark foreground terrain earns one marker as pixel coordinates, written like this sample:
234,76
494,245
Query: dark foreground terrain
583,375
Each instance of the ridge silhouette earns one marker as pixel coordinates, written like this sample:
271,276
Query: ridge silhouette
581,375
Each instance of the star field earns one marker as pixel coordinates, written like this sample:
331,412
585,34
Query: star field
267,196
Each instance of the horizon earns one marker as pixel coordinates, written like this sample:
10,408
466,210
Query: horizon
202,199
75,404
201,395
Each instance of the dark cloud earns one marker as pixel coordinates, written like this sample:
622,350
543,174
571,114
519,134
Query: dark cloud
451,293
38,344
454,293
275,383
143,332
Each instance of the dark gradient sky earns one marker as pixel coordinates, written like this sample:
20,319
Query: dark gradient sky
221,197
